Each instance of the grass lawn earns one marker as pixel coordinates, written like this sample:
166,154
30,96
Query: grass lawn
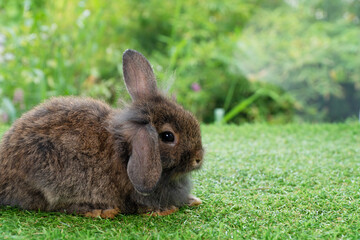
258,181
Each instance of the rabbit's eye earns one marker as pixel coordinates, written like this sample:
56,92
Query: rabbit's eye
167,137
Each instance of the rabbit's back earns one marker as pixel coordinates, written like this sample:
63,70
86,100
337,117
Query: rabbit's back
59,126
59,152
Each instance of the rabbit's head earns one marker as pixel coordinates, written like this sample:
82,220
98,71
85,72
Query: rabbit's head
162,137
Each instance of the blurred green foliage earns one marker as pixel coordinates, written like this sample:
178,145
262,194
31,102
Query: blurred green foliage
197,48
311,49
74,48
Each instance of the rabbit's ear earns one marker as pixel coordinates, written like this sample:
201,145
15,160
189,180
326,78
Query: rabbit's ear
144,166
138,75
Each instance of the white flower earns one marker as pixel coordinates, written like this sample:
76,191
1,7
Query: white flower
2,39
9,56
80,21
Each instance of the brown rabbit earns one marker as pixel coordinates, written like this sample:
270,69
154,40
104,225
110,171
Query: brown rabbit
78,155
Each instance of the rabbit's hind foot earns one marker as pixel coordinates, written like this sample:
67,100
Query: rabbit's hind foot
107,213
158,213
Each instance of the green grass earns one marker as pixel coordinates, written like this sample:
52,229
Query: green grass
259,181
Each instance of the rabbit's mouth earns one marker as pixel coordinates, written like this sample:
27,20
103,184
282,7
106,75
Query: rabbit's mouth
184,170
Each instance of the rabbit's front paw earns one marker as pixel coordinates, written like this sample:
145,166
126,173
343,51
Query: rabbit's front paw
107,213
193,201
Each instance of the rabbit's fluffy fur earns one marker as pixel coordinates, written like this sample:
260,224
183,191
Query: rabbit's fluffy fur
77,155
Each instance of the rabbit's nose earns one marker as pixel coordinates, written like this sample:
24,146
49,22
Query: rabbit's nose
197,160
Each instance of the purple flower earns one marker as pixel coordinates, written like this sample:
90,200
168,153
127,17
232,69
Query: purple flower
4,117
18,96
196,87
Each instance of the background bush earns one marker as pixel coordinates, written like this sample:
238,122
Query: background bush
311,49
205,53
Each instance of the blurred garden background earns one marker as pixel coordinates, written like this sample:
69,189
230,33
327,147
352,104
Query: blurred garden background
273,61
